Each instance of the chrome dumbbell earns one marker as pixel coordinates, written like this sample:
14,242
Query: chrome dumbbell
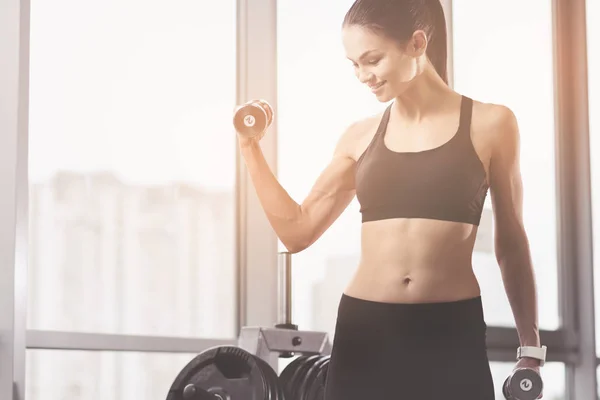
252,119
523,384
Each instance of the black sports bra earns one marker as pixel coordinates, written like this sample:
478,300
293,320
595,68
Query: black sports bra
444,183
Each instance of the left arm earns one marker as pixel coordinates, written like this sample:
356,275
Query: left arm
511,242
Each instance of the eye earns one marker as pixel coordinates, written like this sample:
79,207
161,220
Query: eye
374,61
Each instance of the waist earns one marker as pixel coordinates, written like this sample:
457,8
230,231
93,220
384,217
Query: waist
419,284
459,316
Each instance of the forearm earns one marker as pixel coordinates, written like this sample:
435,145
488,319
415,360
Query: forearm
284,214
519,283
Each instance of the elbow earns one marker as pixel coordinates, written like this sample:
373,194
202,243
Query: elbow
295,249
299,235
504,255
301,240
509,254
297,244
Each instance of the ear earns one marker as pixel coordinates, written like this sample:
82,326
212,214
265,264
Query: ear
417,46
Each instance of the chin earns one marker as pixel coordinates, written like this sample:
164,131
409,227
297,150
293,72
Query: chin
391,93
385,97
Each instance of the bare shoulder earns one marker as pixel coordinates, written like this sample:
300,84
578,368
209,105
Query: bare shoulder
494,124
357,136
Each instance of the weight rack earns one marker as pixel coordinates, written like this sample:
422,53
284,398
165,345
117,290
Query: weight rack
284,340
249,370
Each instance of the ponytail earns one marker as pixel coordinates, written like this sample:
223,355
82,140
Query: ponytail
437,49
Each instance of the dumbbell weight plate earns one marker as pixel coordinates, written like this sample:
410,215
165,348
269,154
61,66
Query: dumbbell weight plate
523,384
299,375
275,390
227,371
316,390
310,379
253,118
286,376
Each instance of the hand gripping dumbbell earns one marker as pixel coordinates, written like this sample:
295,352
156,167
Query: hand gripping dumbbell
522,384
252,119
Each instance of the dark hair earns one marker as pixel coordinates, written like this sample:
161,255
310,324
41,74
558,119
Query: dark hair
399,19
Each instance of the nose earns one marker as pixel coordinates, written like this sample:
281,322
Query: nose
364,76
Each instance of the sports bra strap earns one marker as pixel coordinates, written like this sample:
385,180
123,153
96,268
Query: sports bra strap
466,111
385,118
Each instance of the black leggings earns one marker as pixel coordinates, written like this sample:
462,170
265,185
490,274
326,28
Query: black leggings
422,351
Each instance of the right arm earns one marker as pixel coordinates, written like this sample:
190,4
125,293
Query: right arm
300,225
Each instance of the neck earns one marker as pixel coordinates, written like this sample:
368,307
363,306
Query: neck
426,95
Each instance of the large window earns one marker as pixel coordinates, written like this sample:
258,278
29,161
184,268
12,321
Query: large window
132,168
593,39
503,55
57,375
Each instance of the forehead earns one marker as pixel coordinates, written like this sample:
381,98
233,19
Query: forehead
357,40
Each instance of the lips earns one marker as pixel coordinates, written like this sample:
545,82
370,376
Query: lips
375,87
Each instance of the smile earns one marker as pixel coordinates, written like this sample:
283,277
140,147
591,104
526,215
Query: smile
376,87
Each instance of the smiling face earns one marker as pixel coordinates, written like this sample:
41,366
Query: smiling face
383,64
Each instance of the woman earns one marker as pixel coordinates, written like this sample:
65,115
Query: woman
410,323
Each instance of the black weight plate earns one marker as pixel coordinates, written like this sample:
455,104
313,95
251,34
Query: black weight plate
309,378
316,390
275,391
286,376
228,371
299,375
505,388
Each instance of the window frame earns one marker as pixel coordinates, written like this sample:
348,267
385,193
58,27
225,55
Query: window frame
256,245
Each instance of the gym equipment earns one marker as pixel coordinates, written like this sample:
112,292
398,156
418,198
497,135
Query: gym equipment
223,373
316,380
247,371
522,384
252,119
305,378
284,340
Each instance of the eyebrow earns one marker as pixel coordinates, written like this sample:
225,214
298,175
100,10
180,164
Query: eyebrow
365,54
